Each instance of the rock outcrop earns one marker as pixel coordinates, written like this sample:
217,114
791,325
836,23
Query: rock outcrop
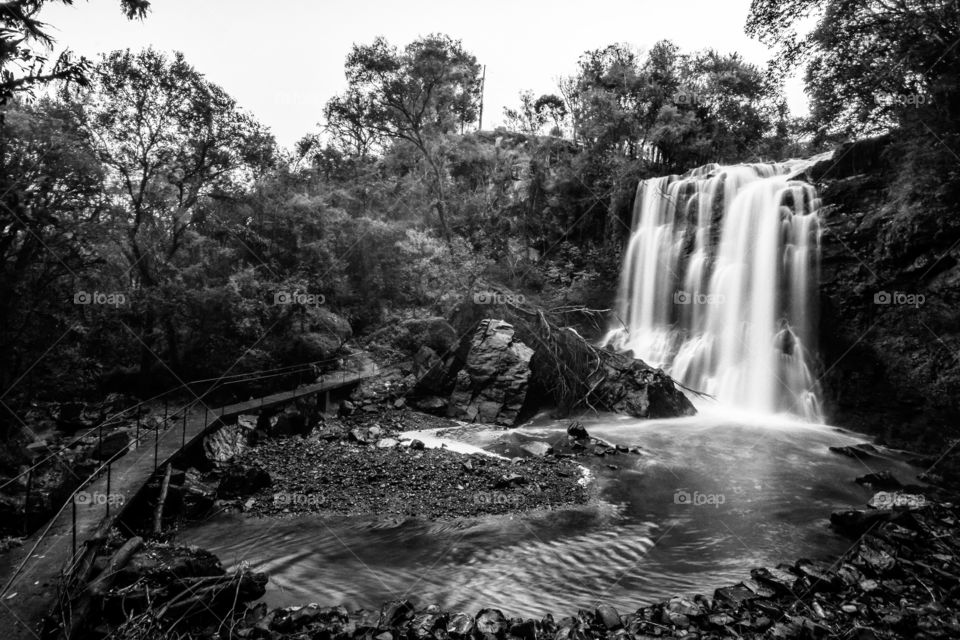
492,385
890,288
632,387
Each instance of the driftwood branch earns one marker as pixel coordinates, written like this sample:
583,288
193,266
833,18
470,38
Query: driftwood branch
158,511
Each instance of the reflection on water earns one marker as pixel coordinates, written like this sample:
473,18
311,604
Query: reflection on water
642,541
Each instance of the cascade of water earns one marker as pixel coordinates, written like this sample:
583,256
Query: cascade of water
719,284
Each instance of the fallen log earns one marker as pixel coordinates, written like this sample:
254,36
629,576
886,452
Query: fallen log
158,511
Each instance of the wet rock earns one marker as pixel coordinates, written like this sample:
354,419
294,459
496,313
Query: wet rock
632,387
424,624
734,596
296,619
242,480
460,626
417,445
537,449
491,624
882,481
577,431
395,613
227,442
492,384
608,616
776,578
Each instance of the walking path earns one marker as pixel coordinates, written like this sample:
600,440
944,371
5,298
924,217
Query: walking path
35,568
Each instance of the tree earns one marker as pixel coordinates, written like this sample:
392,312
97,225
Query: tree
21,67
870,65
347,119
525,119
552,107
416,96
51,201
168,140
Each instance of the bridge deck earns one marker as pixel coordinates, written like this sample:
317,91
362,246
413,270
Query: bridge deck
32,571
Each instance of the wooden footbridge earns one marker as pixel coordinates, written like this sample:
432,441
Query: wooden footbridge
33,573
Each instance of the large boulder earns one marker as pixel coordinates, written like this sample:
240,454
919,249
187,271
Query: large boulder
492,385
633,387
229,441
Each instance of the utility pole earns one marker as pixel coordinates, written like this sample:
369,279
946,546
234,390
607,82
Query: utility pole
483,84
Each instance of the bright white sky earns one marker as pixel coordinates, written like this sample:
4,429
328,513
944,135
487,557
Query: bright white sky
283,59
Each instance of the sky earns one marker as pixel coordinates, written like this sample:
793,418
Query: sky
283,59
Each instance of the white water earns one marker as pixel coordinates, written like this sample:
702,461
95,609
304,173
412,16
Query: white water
719,285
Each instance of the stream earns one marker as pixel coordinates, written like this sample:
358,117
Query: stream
711,497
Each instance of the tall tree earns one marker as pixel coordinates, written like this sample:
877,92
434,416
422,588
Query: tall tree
416,95
168,139
51,199
869,64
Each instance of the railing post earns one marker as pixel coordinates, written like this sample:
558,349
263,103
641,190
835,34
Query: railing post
100,444
156,444
183,439
138,427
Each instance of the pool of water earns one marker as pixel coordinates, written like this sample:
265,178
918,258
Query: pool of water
712,497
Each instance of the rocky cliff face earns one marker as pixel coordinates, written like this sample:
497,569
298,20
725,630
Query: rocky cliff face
890,288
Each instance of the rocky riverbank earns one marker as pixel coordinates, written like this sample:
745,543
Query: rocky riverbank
327,475
899,579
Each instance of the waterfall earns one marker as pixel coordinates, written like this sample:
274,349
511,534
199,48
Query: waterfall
719,285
